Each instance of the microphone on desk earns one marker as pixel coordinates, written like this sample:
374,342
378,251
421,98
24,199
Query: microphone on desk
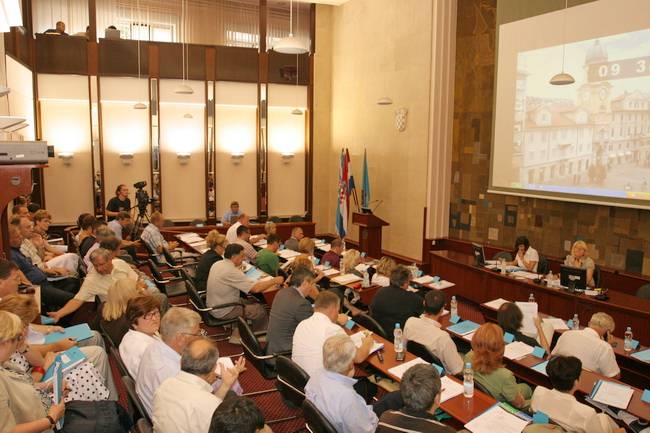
378,203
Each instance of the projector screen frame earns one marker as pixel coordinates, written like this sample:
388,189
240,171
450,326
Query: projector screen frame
540,194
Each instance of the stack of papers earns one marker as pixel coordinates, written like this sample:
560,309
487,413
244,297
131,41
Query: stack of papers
557,324
358,337
644,355
287,254
324,247
346,279
399,370
361,267
425,279
469,336
443,284
495,304
260,243
612,394
496,419
525,274
77,333
330,271
463,328
516,350
450,388
529,309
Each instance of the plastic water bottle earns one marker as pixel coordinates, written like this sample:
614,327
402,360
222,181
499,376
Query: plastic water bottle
531,298
576,322
453,306
366,279
468,381
628,339
398,342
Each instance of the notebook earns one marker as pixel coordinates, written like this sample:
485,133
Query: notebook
67,361
77,333
497,419
612,394
358,337
463,328
643,355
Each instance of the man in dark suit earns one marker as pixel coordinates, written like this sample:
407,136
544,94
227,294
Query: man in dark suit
395,304
290,307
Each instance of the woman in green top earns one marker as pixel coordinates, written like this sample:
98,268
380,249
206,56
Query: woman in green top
486,357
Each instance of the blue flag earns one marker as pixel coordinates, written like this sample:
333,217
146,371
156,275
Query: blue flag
365,186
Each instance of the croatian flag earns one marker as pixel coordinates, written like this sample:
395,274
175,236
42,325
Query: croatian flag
365,186
343,196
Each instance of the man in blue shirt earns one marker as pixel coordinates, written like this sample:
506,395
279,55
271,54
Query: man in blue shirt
234,212
331,389
52,297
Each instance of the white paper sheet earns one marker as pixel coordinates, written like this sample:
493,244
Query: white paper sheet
525,274
557,324
517,349
361,267
260,243
398,371
286,254
346,279
450,388
469,336
358,337
494,420
529,309
325,247
613,394
443,284
330,271
424,279
496,303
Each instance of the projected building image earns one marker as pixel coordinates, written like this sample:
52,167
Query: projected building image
592,136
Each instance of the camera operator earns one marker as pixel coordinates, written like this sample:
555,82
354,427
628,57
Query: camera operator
119,203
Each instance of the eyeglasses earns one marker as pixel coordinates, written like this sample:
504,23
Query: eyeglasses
202,333
151,314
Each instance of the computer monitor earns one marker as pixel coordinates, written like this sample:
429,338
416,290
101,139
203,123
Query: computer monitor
573,278
479,254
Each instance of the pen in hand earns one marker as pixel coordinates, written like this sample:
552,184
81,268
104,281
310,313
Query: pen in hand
380,356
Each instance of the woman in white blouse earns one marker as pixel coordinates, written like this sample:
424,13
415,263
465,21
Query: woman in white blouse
143,314
384,268
525,256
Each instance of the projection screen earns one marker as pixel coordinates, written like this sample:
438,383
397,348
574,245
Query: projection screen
588,141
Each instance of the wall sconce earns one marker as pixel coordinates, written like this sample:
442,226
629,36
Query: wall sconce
287,157
66,157
236,157
126,158
183,157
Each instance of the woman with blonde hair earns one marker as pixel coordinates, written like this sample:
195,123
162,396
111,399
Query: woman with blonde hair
350,260
217,244
113,312
26,408
307,246
304,261
270,228
486,358
581,260
383,268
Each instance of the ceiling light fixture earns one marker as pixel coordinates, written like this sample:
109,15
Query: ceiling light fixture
184,89
562,79
188,116
291,44
139,105
384,101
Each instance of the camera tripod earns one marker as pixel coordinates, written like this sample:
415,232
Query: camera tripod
140,219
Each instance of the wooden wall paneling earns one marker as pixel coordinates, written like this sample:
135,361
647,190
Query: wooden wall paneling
153,55
171,65
309,143
237,64
262,116
119,57
92,20
61,55
282,68
93,58
100,125
210,64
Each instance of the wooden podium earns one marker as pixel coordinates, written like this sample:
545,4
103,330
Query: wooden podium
369,233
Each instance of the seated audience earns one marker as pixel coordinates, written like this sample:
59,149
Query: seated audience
486,357
395,304
311,333
30,249
525,256
42,220
9,278
304,261
592,345
216,243
113,319
185,403
293,243
20,210
120,228
102,233
238,415
24,408
561,406
105,272
84,382
243,239
162,359
120,203
426,331
143,315
350,261
510,319
234,212
225,282
331,389
581,260
307,246
242,220
53,295
88,224
267,258
270,228
59,30
333,256
152,236
289,308
383,269
420,389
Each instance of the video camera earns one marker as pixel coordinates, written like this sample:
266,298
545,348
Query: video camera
142,197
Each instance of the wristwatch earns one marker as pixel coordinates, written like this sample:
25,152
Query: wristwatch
51,420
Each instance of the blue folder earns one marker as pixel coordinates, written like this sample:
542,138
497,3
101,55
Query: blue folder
254,274
644,355
464,328
541,367
77,332
67,360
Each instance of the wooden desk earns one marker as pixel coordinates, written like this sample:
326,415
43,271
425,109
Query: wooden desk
481,285
283,229
633,370
460,408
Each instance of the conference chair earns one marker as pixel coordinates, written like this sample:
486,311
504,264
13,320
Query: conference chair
169,281
597,279
292,380
197,222
153,255
296,219
502,255
143,426
254,352
118,360
184,261
644,291
315,421
370,324
135,403
106,335
275,219
198,301
419,350
543,266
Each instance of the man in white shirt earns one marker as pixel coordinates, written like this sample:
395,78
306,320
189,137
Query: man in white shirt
153,238
426,331
178,328
106,271
561,406
591,345
525,256
243,220
185,403
311,333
